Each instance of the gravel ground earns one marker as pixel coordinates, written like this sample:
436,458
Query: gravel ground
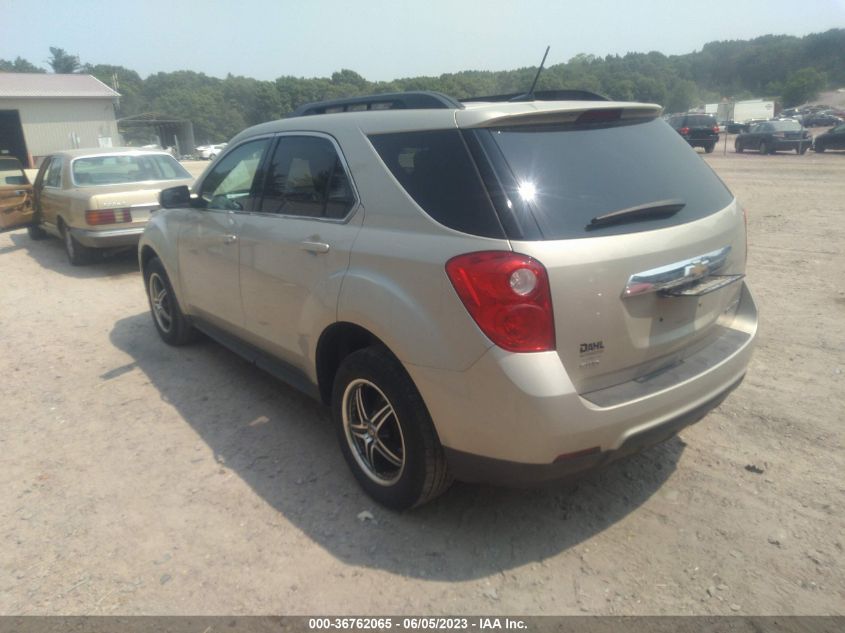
140,479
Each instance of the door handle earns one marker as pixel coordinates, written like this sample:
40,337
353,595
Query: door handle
230,239
20,192
314,247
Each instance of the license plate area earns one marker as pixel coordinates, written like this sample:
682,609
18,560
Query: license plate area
703,286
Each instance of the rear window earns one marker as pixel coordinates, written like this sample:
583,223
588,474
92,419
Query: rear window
786,126
700,120
117,168
564,176
436,170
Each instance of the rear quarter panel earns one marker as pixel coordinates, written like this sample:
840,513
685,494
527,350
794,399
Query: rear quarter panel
396,286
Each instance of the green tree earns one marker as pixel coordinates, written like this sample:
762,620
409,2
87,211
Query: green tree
62,62
19,65
127,82
802,86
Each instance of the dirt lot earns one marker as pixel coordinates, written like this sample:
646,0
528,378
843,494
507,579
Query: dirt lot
136,478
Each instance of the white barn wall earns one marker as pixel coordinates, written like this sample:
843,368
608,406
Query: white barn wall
49,125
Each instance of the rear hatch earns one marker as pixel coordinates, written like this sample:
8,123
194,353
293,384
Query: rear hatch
679,223
701,126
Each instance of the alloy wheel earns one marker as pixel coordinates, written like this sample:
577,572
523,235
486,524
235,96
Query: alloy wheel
160,302
373,432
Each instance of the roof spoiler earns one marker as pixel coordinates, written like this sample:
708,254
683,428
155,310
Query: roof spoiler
541,95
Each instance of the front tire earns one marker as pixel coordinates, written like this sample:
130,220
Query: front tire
818,148
738,148
172,325
36,233
385,431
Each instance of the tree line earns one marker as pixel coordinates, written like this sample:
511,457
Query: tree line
790,69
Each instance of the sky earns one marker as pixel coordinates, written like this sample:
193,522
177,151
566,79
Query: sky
382,39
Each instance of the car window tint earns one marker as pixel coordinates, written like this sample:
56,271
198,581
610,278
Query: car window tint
228,185
54,173
566,175
785,126
306,178
437,171
701,121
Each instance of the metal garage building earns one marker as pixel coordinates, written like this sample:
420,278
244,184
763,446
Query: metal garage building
44,113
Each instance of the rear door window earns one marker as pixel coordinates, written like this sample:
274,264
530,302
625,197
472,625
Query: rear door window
565,175
437,171
306,178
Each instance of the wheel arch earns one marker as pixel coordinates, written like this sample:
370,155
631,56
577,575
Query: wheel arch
336,342
145,255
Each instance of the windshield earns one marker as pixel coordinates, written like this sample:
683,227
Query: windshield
786,126
564,176
116,169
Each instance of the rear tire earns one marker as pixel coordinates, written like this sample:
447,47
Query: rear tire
801,149
170,322
818,148
36,233
738,148
385,431
77,254
708,149
764,148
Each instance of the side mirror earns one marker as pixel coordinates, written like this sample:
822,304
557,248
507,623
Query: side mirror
175,197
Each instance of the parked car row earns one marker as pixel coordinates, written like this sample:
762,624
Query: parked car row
764,136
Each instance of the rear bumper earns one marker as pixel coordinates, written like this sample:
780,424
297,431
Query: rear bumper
108,238
702,142
518,417
476,468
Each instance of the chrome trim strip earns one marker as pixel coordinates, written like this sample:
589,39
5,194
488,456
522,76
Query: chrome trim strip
676,274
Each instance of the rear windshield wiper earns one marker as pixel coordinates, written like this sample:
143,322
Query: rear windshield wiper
647,211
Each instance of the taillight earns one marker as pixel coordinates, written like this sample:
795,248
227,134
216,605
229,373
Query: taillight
684,131
508,296
715,129
108,216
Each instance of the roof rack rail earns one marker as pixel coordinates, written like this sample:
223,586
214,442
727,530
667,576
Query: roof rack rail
419,100
542,95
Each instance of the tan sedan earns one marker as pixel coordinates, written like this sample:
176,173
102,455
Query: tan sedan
99,198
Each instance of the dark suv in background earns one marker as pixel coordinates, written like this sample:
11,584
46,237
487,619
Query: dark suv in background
699,130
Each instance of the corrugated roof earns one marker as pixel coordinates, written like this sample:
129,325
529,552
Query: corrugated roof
40,85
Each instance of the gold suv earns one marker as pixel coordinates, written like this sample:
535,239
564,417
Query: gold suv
496,290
